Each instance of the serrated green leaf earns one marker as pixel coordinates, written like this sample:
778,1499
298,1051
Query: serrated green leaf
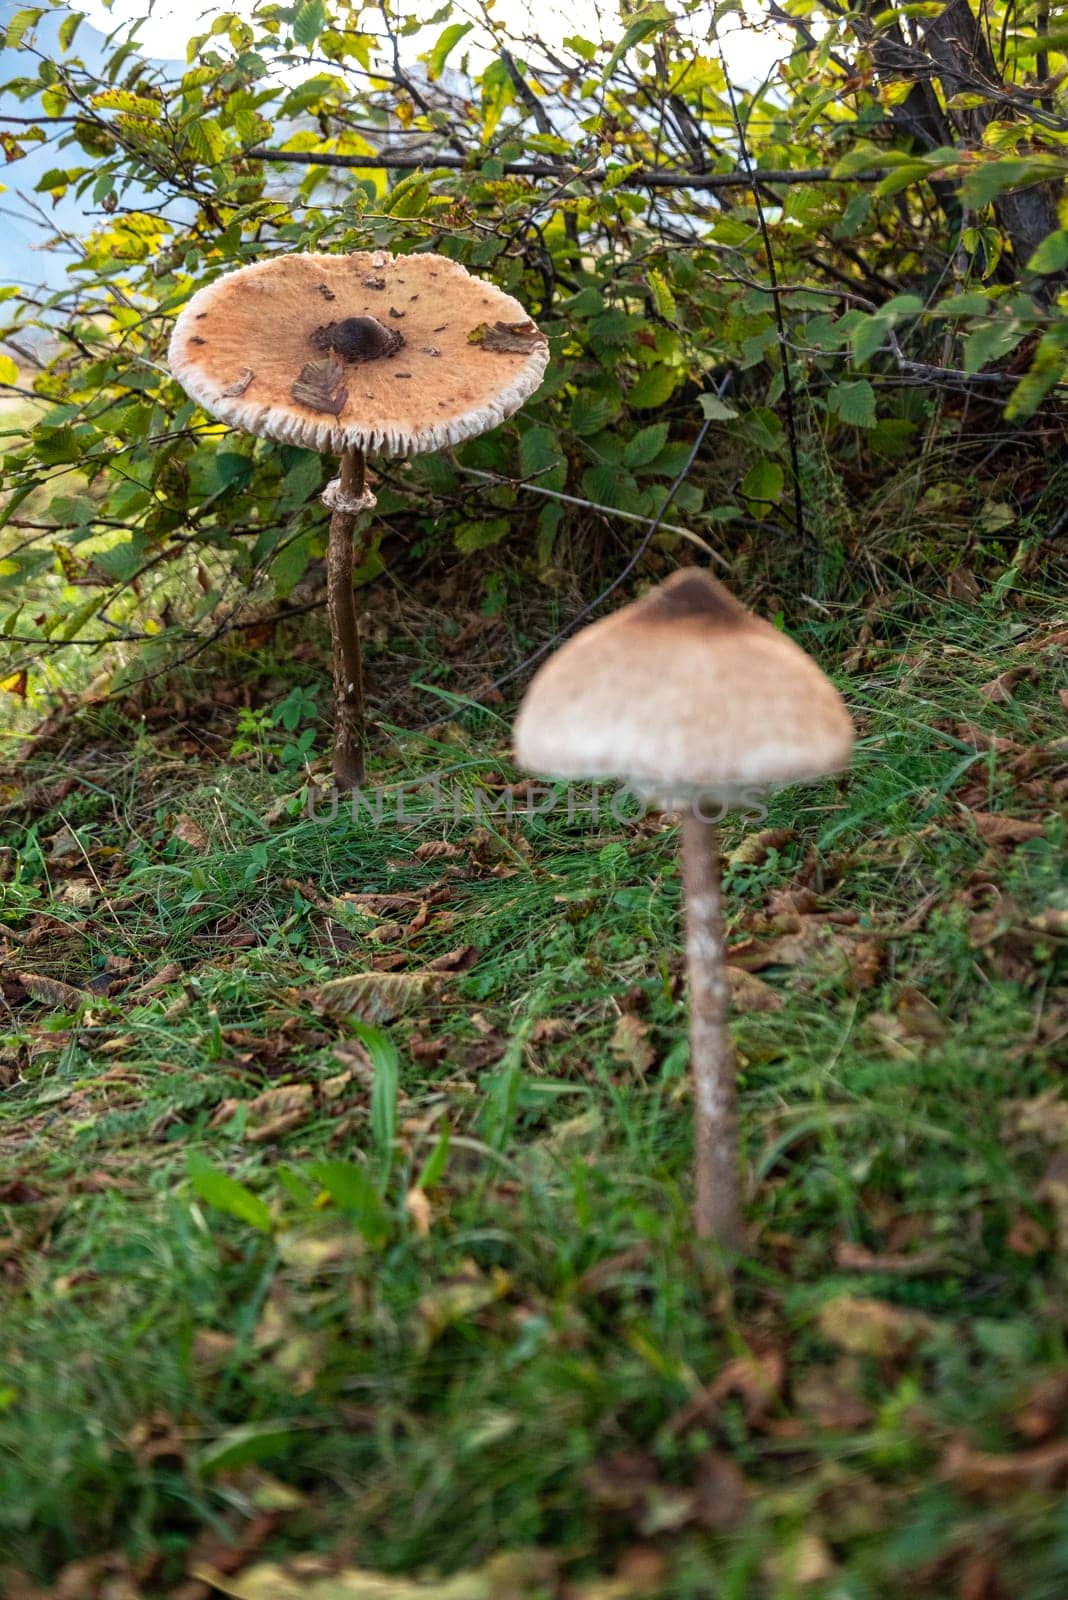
539,450
646,445
590,413
216,1188
308,21
68,28
19,25
971,304
409,197
854,402
663,298
205,140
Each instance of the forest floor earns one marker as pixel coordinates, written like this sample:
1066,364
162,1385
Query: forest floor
345,1165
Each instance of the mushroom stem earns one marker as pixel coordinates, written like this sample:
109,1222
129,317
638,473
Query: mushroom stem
716,1214
344,628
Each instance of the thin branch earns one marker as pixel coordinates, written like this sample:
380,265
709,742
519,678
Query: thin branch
592,505
643,178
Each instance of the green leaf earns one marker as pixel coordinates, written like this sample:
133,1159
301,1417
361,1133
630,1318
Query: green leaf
639,30
646,445
205,140
663,298
973,303
435,1164
218,1189
19,25
9,372
384,1089
712,406
590,413
1052,253
480,535
352,1190
991,342
763,481
854,402
653,387
240,1446
68,28
984,183
539,450
409,198
446,43
308,22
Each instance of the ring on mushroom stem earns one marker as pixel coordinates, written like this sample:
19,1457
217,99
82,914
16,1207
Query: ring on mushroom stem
686,695
253,350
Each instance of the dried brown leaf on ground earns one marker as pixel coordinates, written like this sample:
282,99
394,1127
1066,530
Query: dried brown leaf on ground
189,831
750,993
508,1576
830,1397
756,1379
418,1208
373,996
51,992
867,1327
805,1561
989,1475
551,1030
458,959
997,829
630,1047
437,850
855,1258
1000,689
755,848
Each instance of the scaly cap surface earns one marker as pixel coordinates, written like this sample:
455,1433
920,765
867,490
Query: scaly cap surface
278,349
683,691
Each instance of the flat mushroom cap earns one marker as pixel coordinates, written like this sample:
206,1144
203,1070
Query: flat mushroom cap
274,349
683,692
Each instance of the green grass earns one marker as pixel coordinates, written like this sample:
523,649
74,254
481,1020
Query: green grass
529,1367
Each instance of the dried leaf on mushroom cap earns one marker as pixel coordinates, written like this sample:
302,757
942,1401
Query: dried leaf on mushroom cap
682,692
258,348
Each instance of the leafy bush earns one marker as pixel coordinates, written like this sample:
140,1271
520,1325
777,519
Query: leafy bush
852,317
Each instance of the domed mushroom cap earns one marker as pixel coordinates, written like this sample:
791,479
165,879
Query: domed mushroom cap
684,691
400,354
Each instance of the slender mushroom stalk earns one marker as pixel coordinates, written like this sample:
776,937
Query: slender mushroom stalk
686,692
347,354
349,498
716,1214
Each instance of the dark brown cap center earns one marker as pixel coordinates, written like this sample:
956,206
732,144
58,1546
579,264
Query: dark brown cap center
358,339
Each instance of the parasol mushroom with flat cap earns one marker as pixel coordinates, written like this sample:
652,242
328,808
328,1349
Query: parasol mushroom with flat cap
691,699
352,354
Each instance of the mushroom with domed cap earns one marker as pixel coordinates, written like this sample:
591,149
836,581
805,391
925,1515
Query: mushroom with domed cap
692,700
358,353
